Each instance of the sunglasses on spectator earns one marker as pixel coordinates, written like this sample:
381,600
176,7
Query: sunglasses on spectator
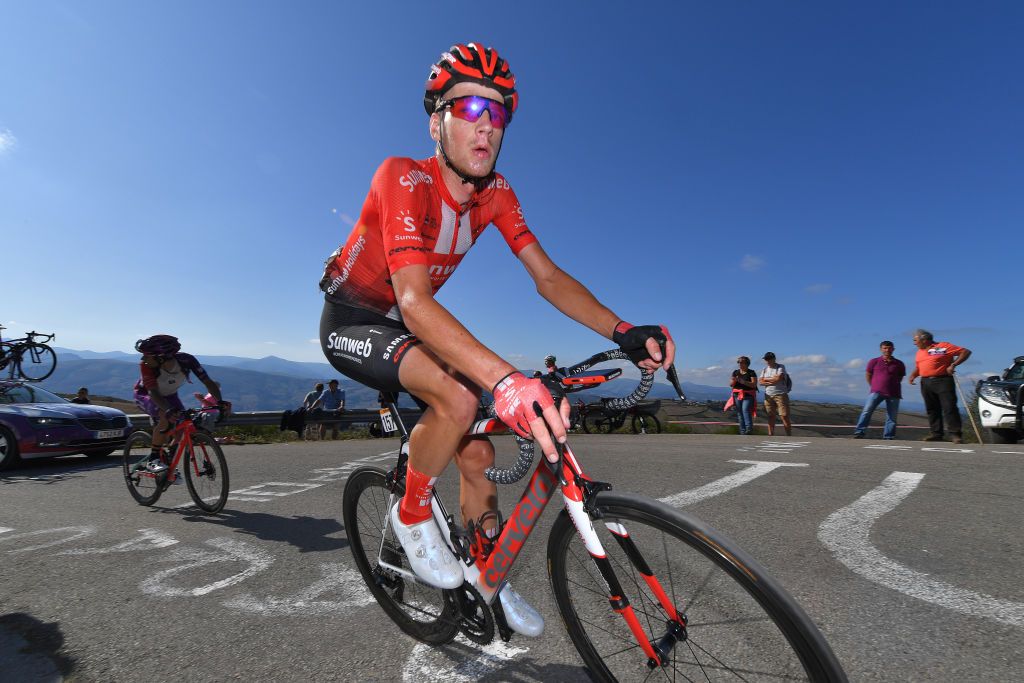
472,107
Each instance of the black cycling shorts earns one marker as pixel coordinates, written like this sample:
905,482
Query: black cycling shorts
364,346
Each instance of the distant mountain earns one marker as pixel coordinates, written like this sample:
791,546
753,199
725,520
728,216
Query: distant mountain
273,383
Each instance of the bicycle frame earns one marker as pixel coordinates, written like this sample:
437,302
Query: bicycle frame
181,436
578,491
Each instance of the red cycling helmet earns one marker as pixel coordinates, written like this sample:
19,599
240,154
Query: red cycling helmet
162,345
470,63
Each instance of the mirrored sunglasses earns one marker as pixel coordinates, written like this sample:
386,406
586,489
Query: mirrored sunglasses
472,107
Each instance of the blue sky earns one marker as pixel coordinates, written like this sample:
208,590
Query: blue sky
807,178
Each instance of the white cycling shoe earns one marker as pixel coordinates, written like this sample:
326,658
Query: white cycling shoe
521,617
429,557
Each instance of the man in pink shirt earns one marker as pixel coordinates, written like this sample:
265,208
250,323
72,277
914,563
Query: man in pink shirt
884,375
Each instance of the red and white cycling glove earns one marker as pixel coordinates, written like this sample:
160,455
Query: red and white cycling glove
517,400
632,339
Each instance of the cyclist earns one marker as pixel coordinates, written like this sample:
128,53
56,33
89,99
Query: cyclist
382,326
164,370
551,365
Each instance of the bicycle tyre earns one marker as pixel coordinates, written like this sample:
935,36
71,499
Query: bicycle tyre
430,614
144,486
741,624
597,423
7,358
206,473
38,369
647,424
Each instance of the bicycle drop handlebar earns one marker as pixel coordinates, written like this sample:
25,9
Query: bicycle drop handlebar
521,467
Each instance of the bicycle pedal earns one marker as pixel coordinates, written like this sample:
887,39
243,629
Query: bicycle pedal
504,630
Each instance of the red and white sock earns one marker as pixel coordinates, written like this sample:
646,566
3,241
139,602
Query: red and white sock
415,506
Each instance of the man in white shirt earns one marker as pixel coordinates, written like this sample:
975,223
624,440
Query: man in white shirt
776,385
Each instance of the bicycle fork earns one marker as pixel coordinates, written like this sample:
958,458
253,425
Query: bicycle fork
579,505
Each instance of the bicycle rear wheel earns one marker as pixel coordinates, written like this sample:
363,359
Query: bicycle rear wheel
597,423
142,484
425,613
36,362
206,473
740,625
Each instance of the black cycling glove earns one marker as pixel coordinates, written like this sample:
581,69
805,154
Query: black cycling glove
632,340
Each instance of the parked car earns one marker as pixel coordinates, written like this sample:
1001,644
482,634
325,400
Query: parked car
999,403
37,424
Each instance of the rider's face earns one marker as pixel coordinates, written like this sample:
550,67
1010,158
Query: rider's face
472,147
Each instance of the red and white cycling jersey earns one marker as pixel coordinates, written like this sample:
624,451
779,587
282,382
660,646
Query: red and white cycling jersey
408,218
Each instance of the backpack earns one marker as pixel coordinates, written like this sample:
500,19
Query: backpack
789,382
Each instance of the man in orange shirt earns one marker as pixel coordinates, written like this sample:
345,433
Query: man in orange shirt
935,363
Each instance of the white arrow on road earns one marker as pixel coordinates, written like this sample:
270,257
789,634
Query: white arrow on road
758,468
847,532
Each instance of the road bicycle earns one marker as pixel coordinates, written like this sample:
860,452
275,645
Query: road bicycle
599,418
645,591
203,463
28,357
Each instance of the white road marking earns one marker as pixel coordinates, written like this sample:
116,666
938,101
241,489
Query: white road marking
454,664
337,578
847,532
149,539
5,529
76,532
757,469
949,450
891,448
1010,452
231,550
285,488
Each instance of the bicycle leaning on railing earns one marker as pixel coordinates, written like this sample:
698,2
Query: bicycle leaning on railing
643,589
599,418
203,463
28,357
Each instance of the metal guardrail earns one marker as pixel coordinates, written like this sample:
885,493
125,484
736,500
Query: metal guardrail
349,418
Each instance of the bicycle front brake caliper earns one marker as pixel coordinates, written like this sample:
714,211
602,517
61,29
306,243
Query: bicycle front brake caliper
590,489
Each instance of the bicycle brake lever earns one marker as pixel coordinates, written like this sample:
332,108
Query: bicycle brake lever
673,377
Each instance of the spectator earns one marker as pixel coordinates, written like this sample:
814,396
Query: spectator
935,363
82,397
311,431
331,401
776,385
744,394
884,376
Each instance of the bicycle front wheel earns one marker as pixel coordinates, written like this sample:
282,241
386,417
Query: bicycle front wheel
738,623
206,473
36,362
646,424
425,613
142,484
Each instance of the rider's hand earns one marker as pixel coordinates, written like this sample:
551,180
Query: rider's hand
643,345
526,406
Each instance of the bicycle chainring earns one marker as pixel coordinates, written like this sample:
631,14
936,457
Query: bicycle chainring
475,619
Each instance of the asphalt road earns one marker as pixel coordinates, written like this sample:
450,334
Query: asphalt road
907,557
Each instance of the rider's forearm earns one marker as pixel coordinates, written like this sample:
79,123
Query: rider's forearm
212,387
443,334
570,297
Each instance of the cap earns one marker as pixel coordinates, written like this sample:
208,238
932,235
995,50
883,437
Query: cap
768,355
